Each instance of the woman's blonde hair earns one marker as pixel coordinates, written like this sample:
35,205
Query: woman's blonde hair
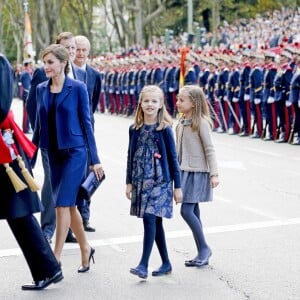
163,117
200,109
60,53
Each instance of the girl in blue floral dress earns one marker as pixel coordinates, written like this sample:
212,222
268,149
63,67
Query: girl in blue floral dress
152,167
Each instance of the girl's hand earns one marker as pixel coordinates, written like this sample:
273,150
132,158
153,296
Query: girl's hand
214,181
178,195
128,191
98,170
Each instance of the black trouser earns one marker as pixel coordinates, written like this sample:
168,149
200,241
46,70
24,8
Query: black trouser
37,252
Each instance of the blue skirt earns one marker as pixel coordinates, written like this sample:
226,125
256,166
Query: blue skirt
68,169
196,187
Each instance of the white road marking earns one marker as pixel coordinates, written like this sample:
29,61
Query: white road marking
232,164
269,153
116,242
259,212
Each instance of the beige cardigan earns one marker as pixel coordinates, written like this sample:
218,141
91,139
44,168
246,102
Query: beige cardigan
197,150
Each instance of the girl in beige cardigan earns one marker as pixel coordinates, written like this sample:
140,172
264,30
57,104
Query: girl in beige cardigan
198,164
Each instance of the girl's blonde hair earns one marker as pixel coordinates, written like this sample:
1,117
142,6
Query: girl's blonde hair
163,117
200,109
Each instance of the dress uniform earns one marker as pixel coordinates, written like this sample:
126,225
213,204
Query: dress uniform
222,80
256,87
294,97
233,88
270,130
19,199
244,97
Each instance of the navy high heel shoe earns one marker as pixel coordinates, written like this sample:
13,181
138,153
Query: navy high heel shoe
162,270
83,269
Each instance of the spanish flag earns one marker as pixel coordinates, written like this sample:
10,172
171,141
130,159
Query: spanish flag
183,53
27,47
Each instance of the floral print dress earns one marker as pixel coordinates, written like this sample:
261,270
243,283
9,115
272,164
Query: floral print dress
150,193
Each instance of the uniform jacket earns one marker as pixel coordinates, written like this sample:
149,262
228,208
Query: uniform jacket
166,147
73,122
25,81
12,205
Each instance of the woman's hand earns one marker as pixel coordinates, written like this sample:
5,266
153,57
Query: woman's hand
214,181
178,195
98,170
128,191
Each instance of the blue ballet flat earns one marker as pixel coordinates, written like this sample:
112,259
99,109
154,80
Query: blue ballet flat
162,270
197,262
139,271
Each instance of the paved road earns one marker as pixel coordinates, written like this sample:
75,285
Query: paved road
252,227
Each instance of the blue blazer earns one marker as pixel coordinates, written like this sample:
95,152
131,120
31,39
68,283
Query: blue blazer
38,77
73,121
167,150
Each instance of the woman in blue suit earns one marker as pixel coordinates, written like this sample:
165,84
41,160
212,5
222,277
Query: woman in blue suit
63,128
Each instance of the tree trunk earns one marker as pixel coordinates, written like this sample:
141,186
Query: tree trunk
1,28
139,23
215,20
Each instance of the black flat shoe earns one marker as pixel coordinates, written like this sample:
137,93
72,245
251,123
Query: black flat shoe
139,272
71,238
83,269
41,284
88,228
163,270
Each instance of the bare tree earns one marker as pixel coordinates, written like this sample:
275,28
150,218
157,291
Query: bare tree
16,17
1,27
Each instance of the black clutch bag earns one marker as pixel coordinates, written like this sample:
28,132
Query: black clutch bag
89,186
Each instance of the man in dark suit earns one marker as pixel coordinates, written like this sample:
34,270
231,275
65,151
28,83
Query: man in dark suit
93,83
18,201
25,80
48,215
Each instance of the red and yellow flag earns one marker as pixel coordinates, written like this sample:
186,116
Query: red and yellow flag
183,53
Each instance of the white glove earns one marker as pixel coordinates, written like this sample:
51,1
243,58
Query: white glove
235,99
217,99
171,90
246,97
298,103
225,98
257,101
131,91
288,103
270,100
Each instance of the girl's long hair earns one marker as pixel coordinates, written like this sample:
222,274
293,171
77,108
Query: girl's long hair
201,109
163,117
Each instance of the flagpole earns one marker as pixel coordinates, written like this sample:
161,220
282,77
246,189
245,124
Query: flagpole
25,5
28,52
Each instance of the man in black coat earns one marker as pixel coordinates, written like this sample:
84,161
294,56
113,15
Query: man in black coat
93,84
18,204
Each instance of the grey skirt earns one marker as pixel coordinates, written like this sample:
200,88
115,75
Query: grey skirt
196,187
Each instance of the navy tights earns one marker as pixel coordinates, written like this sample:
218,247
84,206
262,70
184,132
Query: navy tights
191,214
153,231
